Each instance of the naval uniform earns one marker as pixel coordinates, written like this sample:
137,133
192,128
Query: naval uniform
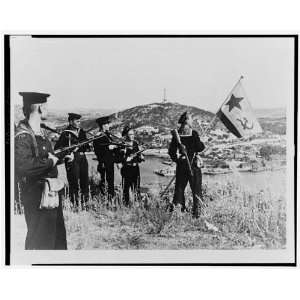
193,144
77,170
106,159
45,227
130,172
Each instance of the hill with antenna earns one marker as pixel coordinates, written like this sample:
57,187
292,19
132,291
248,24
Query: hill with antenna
161,115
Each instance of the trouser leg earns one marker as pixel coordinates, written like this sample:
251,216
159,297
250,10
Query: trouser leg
110,179
136,188
126,187
84,179
101,170
180,185
41,224
196,187
136,183
61,239
73,180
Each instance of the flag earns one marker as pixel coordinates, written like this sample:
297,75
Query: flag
237,114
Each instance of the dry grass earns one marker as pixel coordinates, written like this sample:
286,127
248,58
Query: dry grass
234,218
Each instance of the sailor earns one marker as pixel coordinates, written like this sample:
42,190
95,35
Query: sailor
130,170
77,169
191,140
34,162
105,153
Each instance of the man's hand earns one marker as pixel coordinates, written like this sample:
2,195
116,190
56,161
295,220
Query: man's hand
70,157
111,147
182,148
75,150
54,158
129,159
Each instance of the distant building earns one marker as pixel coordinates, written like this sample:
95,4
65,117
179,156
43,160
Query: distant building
147,129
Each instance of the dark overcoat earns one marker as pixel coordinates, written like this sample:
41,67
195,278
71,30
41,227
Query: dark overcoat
45,227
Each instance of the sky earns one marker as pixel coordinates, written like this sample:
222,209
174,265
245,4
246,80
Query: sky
114,73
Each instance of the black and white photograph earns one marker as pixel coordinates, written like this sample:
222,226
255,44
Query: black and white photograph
151,149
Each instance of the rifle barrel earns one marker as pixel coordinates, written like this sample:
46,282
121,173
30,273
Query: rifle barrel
177,137
49,128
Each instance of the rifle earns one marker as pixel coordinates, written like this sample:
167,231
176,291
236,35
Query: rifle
182,150
49,128
73,147
122,145
134,155
184,153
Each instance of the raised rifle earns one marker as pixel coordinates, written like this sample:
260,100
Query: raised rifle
182,150
184,153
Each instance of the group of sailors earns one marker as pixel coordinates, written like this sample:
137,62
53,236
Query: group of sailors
126,153
36,161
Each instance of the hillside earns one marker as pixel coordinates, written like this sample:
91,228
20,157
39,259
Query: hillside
160,115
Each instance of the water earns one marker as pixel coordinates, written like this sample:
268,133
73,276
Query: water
275,180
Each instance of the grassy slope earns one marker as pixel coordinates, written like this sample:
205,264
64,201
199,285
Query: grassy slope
235,219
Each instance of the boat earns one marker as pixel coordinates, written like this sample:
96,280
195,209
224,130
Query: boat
168,162
165,172
215,171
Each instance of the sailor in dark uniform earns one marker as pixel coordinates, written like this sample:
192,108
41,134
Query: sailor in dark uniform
34,161
191,140
130,170
106,157
77,169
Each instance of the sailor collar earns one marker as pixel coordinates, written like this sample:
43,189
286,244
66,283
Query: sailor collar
76,133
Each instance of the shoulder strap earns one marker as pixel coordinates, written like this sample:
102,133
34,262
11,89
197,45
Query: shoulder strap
33,140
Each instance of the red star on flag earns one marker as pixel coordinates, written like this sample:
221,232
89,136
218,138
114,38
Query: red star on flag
234,102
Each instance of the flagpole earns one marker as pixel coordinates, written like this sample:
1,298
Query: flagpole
215,116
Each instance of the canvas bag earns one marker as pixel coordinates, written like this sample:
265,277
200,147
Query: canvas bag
50,197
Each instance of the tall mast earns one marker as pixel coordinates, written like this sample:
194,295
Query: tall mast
165,95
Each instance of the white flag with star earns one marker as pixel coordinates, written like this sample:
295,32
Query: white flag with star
237,114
